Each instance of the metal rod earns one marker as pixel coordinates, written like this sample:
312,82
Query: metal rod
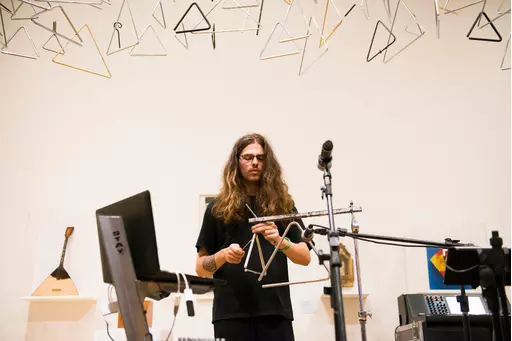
362,313
304,215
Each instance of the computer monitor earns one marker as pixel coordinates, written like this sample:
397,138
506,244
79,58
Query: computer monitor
137,215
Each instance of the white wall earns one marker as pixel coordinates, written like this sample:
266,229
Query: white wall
422,143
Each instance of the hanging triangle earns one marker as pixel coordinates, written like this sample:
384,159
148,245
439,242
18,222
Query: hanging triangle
158,11
240,4
22,12
490,23
123,33
242,29
506,56
42,14
364,8
194,29
284,54
368,59
2,33
90,46
303,24
454,11
54,48
19,54
249,255
267,265
185,44
144,40
338,22
503,10
418,31
303,68
5,7
413,27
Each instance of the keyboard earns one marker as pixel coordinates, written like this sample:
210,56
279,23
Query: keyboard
199,285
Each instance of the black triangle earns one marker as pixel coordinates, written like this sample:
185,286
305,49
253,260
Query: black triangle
196,29
492,25
371,44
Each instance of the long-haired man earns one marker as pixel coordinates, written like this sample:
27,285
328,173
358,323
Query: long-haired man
252,182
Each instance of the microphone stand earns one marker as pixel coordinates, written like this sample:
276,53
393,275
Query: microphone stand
362,315
464,308
334,258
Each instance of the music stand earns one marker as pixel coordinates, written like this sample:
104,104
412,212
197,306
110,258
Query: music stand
488,268
129,259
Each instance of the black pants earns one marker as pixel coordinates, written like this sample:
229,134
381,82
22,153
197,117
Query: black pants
264,328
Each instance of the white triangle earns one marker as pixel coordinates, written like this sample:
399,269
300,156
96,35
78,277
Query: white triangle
224,30
159,10
185,44
123,32
12,52
313,26
142,42
283,54
8,4
418,35
413,27
22,12
506,56
54,14
232,4
57,48
302,24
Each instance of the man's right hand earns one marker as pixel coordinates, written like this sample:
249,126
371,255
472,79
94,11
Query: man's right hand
234,254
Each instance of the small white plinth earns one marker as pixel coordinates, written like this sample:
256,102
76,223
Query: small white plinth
59,299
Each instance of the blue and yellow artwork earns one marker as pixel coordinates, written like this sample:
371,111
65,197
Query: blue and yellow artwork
437,268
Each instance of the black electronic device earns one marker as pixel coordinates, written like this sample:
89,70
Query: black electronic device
137,215
439,307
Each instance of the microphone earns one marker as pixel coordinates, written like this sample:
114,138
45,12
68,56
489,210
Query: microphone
325,157
307,234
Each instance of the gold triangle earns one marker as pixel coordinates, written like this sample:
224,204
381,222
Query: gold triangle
80,69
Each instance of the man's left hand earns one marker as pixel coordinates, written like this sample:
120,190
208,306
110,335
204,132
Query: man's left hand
269,231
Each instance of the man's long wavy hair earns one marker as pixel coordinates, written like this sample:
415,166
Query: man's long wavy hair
273,197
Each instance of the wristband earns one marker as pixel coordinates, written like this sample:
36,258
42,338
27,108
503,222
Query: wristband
287,246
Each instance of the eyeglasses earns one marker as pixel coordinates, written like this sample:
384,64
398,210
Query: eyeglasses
250,157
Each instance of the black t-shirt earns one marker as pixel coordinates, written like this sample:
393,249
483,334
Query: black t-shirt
243,296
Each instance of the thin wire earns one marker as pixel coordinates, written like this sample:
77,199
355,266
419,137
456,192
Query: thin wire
376,242
172,327
461,271
109,293
108,333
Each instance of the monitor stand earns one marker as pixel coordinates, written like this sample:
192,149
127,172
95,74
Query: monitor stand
130,294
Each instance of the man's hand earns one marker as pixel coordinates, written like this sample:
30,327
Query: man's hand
234,254
269,231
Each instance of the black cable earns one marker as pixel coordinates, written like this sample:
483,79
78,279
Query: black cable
387,243
323,230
